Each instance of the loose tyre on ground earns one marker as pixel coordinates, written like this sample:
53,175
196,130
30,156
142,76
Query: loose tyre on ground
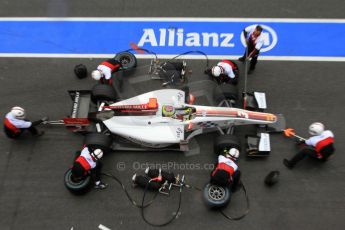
76,187
98,140
127,59
226,141
216,196
103,92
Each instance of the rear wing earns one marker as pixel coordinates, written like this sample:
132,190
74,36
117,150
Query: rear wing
78,120
81,103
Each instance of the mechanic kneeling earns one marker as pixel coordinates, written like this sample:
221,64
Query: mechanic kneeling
227,172
320,146
225,71
104,71
89,162
15,124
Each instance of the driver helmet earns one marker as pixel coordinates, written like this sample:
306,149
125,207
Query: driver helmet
316,128
168,110
96,75
97,153
217,71
18,112
233,153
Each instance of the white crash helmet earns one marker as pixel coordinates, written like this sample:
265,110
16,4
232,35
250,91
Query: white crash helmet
97,153
18,112
217,71
233,153
96,75
316,128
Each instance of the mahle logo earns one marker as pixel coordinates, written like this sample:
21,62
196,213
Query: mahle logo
269,35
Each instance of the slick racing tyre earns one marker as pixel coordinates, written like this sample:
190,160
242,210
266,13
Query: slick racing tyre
127,60
216,196
76,187
103,92
225,92
98,141
226,141
187,98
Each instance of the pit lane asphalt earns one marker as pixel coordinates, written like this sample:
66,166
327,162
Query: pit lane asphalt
32,195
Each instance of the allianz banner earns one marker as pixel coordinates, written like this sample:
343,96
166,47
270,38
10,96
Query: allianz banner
170,36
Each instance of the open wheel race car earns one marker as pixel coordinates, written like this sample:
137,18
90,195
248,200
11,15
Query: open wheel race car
163,119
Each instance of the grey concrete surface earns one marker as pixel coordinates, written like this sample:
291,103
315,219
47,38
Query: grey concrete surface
32,194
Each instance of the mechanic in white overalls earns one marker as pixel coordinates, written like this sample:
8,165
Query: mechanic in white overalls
254,41
227,172
225,71
104,71
15,124
88,162
320,146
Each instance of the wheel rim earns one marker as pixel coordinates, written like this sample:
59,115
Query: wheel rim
125,60
216,192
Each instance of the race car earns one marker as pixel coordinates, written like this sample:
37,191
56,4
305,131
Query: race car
160,119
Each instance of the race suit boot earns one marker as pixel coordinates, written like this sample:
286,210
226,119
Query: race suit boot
288,164
101,186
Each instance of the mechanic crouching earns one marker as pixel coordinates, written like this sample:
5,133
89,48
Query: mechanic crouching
104,71
320,146
225,71
227,172
88,162
15,124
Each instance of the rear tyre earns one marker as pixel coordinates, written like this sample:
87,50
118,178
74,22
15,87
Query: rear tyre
77,187
127,60
226,142
216,196
98,141
103,92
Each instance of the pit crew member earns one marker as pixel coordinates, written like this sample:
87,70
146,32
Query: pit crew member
104,71
15,124
225,71
320,146
227,172
88,162
254,41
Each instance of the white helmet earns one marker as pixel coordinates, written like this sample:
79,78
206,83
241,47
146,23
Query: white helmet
18,112
217,70
233,153
316,128
97,153
96,74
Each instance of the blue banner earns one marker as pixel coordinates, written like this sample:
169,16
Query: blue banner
290,38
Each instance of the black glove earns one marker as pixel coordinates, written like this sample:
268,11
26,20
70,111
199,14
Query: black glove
300,141
207,71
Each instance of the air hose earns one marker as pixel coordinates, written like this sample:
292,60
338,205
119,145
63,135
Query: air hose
164,223
246,211
144,205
